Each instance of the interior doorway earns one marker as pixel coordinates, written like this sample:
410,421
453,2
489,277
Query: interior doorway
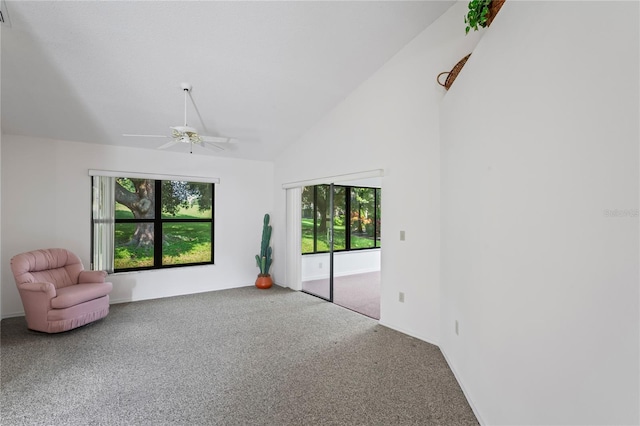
340,243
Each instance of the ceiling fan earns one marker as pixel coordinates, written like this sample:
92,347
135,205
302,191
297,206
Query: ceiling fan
187,134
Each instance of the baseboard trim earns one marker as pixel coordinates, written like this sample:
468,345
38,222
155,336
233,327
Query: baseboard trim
408,333
131,300
13,315
343,274
446,358
464,390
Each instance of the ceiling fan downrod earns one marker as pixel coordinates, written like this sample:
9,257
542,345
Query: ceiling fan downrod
186,88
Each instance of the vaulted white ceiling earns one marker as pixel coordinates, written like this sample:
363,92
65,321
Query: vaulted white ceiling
263,72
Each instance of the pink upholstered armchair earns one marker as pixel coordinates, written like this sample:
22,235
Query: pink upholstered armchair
57,293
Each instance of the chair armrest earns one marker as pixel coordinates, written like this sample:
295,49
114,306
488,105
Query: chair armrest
91,277
48,288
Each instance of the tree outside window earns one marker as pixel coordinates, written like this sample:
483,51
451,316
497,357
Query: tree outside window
356,218
161,223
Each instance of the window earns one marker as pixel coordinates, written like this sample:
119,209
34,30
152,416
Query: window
142,223
362,218
356,218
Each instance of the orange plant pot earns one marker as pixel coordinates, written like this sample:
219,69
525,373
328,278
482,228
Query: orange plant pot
264,282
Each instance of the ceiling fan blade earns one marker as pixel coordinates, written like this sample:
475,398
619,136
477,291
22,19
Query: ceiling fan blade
168,144
217,139
145,136
212,146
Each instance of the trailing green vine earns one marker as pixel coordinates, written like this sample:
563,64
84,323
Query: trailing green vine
477,15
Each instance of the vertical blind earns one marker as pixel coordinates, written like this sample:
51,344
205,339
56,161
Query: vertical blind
103,221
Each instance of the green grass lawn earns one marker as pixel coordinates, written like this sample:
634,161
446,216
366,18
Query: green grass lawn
186,243
339,239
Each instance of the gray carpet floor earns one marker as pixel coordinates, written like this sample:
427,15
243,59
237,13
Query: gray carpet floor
234,357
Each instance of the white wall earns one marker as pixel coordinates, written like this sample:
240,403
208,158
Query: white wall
539,139
316,266
46,202
391,122
1,263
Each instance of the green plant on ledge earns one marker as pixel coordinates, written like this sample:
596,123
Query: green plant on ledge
477,15
263,260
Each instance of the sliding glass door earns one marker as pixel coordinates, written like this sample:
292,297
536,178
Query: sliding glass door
317,240
341,245
356,278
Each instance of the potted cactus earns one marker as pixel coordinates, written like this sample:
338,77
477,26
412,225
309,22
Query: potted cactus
263,260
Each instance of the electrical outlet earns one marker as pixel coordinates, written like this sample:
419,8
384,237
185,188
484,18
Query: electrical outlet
401,235
401,297
457,329
320,265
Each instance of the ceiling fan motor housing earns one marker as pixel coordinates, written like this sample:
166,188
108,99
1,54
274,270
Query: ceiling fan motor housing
185,130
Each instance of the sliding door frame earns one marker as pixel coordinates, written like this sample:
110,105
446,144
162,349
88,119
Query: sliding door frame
331,225
293,261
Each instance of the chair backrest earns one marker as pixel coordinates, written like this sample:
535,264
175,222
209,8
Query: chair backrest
56,265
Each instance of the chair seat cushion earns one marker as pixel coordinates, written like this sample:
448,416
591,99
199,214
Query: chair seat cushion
79,293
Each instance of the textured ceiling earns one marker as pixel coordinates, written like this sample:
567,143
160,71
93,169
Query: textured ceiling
263,72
